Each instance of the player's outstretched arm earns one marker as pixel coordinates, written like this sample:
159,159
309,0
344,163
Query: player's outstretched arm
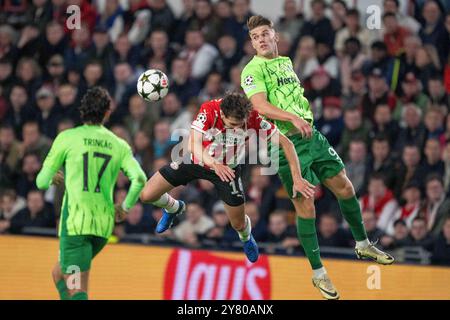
265,108
134,172
52,163
301,185
224,172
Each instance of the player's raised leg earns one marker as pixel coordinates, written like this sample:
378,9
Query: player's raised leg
343,189
306,230
156,192
242,224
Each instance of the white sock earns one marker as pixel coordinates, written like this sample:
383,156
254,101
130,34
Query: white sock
362,244
244,235
168,203
319,272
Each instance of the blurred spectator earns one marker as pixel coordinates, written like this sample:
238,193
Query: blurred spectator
384,125
411,198
181,82
10,153
319,26
10,204
140,118
19,111
291,21
143,150
261,192
432,162
414,131
356,164
379,60
412,92
55,72
305,58
378,93
222,233
222,9
26,182
236,25
33,141
213,89
67,102
8,39
433,30
352,60
102,48
111,17
76,56
124,51
229,55
320,85
196,225
370,223
338,14
330,234
331,124
380,200
135,223
407,58
280,232
205,20
436,207
355,128
419,236
436,92
6,77
426,63
49,114
446,158
356,90
54,42
434,123
157,48
441,246
409,169
381,162
162,143
36,214
172,112
392,6
394,34
28,73
39,12
162,15
399,238
200,55
327,59
259,225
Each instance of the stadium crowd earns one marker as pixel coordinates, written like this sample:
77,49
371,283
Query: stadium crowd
381,97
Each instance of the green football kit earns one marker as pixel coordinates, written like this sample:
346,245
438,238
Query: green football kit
92,157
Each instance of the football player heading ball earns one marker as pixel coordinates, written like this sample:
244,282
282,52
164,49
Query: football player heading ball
221,125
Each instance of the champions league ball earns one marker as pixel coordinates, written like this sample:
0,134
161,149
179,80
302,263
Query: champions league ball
153,85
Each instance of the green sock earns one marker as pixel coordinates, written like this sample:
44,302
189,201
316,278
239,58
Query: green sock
62,289
79,296
306,231
352,213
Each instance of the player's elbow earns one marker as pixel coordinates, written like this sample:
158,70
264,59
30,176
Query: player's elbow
41,184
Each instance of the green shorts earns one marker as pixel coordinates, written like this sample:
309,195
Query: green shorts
318,160
77,252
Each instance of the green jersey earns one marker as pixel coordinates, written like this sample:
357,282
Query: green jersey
278,80
92,157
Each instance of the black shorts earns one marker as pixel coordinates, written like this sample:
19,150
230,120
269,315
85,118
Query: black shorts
232,193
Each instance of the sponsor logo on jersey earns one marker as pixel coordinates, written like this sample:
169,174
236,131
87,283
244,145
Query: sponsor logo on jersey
284,81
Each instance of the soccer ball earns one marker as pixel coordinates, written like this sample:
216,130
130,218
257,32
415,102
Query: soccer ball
153,85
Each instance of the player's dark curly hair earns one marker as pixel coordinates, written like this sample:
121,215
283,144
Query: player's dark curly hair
94,105
236,105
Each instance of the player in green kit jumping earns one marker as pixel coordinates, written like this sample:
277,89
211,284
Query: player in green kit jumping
274,89
92,157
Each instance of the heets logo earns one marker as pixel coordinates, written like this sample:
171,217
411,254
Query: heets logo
200,275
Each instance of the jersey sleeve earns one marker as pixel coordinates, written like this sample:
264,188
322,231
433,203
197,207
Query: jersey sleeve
134,172
53,161
204,119
252,80
257,123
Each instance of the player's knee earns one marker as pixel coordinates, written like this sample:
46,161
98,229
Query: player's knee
306,208
238,225
56,273
347,191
